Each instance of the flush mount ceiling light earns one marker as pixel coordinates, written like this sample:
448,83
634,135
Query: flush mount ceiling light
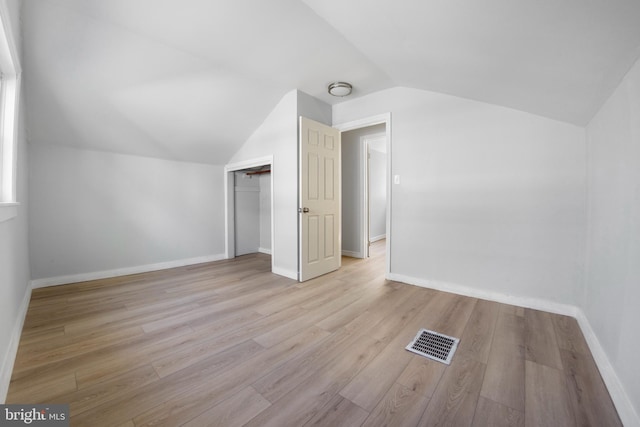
340,89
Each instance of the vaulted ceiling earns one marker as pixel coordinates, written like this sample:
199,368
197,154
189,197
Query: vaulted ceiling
192,79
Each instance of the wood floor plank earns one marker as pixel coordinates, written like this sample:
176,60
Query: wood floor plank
338,412
128,405
454,401
103,363
422,375
590,400
246,285
205,392
207,353
338,289
235,303
224,322
452,316
289,329
540,339
513,310
376,314
569,335
402,316
31,356
305,401
399,407
124,319
510,328
69,343
226,333
88,398
231,343
492,414
504,379
107,365
44,390
63,313
282,379
182,318
478,334
547,399
375,380
297,296
347,314
233,412
239,332
31,336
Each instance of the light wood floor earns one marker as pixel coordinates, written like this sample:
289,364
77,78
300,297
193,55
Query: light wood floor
230,344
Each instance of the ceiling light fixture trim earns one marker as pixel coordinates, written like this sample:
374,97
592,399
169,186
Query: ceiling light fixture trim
340,89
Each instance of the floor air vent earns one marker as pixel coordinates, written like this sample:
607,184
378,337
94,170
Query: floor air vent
434,345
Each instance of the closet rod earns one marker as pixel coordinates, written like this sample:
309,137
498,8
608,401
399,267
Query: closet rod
258,172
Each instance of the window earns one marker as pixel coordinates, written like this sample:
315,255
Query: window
9,96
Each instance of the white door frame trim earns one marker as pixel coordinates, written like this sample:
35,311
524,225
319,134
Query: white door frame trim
229,203
370,121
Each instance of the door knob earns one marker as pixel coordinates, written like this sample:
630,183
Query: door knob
305,210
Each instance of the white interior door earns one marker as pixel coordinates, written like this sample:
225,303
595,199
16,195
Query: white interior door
320,188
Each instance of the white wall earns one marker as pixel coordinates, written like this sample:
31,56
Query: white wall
265,213
313,108
277,136
491,198
352,186
14,259
94,211
377,194
612,292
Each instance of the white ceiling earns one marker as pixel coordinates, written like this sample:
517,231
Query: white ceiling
192,79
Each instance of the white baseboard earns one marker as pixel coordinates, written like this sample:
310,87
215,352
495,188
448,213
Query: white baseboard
376,238
12,348
264,251
624,406
534,303
284,272
626,411
84,277
352,254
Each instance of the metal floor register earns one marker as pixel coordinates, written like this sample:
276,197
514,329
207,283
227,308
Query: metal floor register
434,345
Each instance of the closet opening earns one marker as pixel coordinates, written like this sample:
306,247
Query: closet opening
249,208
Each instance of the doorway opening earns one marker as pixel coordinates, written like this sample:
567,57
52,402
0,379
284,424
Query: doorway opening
366,187
249,208
375,189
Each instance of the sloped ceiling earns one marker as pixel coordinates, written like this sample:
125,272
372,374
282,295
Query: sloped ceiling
555,58
191,79
186,80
